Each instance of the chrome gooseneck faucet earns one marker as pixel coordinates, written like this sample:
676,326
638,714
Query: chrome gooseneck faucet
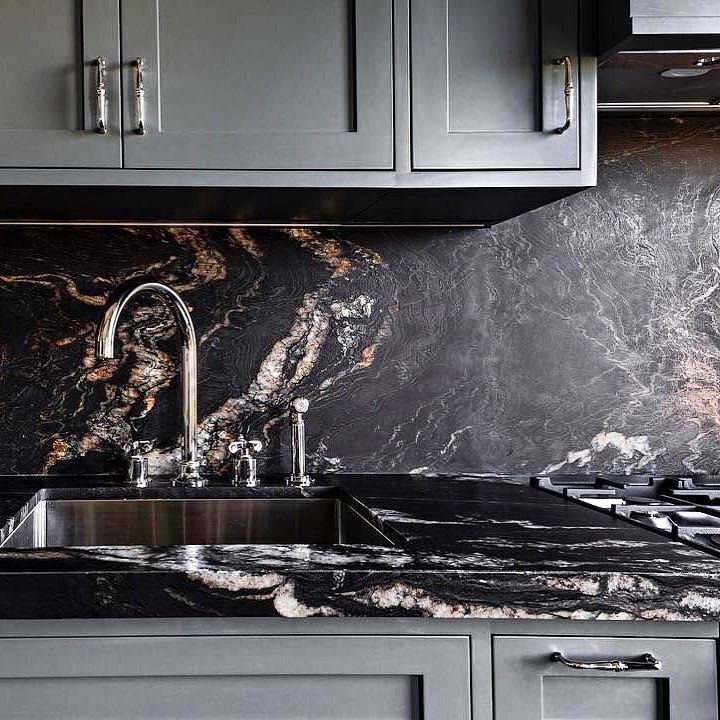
298,477
189,472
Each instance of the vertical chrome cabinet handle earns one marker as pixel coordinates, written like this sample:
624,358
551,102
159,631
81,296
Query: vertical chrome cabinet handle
569,93
101,100
643,663
139,97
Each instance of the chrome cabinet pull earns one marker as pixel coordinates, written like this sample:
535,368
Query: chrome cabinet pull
569,93
101,99
643,663
139,97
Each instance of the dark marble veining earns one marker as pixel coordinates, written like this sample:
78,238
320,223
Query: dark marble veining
466,548
579,338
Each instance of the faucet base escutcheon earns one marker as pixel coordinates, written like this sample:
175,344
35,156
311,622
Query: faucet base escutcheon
189,475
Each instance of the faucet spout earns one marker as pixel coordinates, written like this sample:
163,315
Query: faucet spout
105,348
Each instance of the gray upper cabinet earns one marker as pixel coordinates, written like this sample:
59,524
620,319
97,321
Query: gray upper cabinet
274,111
489,84
529,685
49,97
259,84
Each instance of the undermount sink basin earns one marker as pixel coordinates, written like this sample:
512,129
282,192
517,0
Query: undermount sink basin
196,521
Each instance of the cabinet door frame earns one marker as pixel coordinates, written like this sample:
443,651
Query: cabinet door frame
435,147
441,663
521,662
80,147
368,146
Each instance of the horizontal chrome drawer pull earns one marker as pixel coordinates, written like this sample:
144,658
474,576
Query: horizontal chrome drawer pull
643,663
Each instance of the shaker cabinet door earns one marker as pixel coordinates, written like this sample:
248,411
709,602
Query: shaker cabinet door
489,84
50,107
310,677
529,684
259,84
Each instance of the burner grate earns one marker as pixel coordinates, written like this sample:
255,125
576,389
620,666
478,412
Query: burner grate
685,508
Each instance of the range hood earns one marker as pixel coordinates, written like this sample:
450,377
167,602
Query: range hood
659,56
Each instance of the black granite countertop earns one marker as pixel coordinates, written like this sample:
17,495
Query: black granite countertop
467,547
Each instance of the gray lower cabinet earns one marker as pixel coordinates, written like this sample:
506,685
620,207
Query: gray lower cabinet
529,685
259,84
489,84
308,677
49,101
352,669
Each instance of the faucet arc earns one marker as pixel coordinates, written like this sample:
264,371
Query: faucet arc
105,348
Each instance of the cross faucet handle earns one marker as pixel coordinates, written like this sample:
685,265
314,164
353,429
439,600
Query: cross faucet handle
243,446
137,471
137,447
245,466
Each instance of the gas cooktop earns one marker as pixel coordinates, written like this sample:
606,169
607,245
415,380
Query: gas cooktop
684,508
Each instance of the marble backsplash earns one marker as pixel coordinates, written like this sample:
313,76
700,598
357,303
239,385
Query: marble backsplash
582,337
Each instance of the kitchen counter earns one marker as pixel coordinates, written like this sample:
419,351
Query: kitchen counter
468,547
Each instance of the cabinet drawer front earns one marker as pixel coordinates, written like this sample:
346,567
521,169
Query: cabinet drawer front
486,90
260,84
238,677
528,684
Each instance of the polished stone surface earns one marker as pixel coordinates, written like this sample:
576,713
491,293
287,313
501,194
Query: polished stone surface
582,337
467,547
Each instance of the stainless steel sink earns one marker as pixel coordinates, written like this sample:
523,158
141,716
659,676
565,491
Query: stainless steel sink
197,521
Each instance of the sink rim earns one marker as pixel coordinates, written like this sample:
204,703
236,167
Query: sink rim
391,537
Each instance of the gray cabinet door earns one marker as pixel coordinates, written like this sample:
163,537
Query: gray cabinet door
486,90
260,84
48,83
239,677
528,685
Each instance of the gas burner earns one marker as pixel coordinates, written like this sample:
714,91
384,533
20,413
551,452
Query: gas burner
680,507
650,517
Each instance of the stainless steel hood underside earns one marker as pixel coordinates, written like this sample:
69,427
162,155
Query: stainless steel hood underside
659,55
660,81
